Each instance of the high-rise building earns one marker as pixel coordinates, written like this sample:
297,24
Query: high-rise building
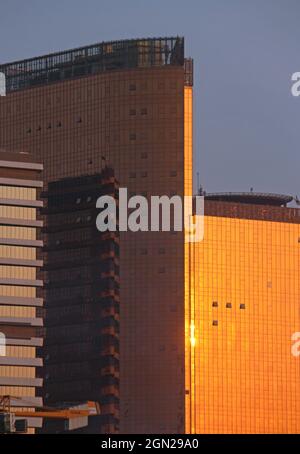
242,374
81,274
129,103
20,326
206,329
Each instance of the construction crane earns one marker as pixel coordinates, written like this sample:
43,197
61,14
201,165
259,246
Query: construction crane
78,410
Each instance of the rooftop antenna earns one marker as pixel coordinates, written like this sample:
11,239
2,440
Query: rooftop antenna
297,200
251,189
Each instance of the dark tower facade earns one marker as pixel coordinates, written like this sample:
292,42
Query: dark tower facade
81,347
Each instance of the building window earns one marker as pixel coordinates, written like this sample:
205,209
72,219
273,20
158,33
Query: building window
215,304
215,322
144,111
132,112
132,87
228,305
242,306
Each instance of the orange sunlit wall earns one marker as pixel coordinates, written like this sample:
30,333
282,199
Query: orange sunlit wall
242,376
188,276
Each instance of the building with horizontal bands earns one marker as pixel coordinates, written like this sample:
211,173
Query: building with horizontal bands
20,185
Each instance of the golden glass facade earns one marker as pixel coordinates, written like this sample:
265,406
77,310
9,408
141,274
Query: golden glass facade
244,304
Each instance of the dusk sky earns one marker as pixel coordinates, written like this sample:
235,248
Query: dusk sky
246,124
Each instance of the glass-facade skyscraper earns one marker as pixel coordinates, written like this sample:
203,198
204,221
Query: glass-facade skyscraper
205,329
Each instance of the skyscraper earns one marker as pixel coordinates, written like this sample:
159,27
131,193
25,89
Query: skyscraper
242,375
20,184
129,104
206,329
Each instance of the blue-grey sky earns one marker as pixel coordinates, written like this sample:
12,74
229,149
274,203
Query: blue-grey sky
247,124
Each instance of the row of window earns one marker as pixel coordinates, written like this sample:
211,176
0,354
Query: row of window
144,174
79,200
228,305
132,112
143,111
161,84
49,126
160,251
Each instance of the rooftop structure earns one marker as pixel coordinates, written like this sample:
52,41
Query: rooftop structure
254,198
94,59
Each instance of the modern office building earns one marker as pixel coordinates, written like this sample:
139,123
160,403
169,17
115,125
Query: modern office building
242,374
20,326
129,102
81,346
205,336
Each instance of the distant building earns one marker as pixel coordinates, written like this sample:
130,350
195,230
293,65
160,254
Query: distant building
81,347
20,185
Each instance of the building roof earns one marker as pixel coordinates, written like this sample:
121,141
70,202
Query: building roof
252,198
93,59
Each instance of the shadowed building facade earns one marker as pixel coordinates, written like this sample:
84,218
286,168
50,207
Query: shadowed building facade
81,346
129,103
20,298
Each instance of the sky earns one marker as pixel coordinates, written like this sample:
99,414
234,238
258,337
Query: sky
246,122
